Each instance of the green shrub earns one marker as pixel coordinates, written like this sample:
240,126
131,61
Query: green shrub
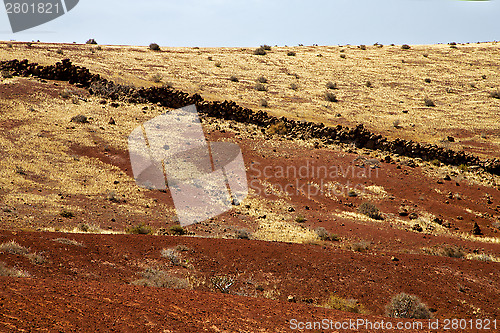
140,229
370,210
407,306
177,230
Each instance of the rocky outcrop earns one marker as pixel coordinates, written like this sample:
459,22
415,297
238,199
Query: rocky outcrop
172,98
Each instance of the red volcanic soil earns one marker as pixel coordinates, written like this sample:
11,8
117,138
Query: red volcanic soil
87,286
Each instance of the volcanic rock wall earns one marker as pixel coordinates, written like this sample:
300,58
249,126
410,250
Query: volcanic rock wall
172,98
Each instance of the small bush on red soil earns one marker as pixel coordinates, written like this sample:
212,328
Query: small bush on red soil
177,230
324,235
242,234
14,247
156,278
172,255
67,241
362,246
452,251
67,214
12,272
140,229
407,306
223,283
346,305
370,210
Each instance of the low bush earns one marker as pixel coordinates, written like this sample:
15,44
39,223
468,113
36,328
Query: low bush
242,234
140,229
291,54
259,51
154,47
370,210
346,305
222,283
324,235
407,306
234,78
177,230
157,278
91,41
405,47
362,246
260,87
330,97
12,272
277,128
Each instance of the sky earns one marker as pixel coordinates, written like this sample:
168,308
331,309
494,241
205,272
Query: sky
246,23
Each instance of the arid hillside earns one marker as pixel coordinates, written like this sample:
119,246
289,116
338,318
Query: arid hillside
88,249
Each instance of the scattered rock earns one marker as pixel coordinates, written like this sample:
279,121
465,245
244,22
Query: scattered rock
291,299
447,177
112,121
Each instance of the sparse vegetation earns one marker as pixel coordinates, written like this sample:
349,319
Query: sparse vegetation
495,94
396,123
291,54
427,80
407,306
9,45
242,234
330,97
362,246
234,78
65,94
294,86
261,79
343,56
154,47
67,214
59,51
362,47
300,219
405,47
67,241
91,41
331,85
218,64
370,210
266,47
12,272
156,78
177,230
277,128
222,283
429,102
346,305
139,229
14,247
259,51
445,250
172,255
264,103
152,277
324,235
369,84
260,87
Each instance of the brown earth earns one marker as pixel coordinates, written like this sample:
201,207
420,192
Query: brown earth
49,165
